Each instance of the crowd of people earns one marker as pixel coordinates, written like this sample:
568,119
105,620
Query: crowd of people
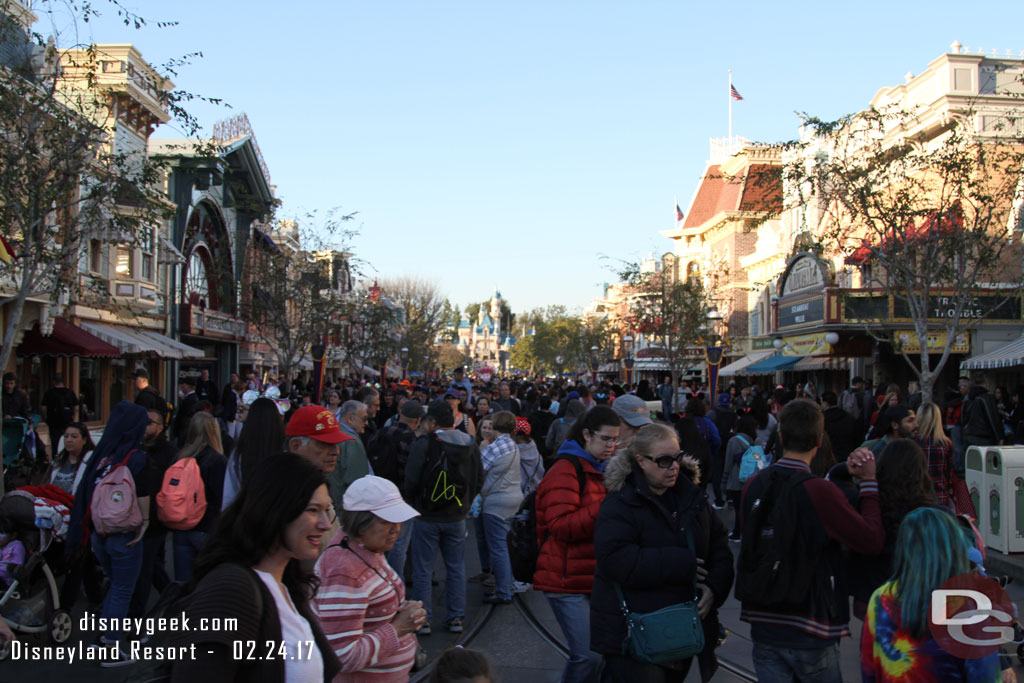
317,519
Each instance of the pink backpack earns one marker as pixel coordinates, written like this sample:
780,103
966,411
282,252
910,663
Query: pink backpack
181,502
114,507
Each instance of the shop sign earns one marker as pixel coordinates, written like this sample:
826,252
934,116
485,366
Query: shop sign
804,274
761,343
806,345
909,342
997,307
801,313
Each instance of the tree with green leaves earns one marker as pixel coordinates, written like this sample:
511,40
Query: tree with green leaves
924,210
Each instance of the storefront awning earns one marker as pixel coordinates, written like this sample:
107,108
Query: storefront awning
65,340
814,363
739,367
1008,355
138,342
772,365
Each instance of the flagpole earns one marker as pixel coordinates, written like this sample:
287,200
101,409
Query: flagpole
730,106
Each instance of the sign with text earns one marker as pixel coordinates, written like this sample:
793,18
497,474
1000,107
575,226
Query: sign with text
936,341
940,307
805,274
802,313
806,345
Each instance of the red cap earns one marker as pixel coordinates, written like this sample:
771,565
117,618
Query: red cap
317,423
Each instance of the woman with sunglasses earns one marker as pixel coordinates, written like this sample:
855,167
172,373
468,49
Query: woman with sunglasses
654,508
567,502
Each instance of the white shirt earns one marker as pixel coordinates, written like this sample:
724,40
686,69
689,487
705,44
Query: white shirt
304,663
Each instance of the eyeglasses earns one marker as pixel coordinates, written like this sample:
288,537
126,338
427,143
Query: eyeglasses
608,439
665,461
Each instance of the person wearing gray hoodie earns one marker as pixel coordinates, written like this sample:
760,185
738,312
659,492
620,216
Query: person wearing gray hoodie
450,460
560,427
501,495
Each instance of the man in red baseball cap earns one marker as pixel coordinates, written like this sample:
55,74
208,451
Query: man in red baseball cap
313,433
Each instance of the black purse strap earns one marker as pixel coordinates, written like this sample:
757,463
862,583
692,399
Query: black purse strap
618,588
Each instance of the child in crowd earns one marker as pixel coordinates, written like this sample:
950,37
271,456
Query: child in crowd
459,665
12,552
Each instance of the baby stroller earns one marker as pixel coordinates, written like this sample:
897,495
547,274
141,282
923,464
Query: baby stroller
24,455
31,604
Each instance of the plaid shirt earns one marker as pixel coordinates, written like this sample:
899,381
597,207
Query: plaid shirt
940,467
502,446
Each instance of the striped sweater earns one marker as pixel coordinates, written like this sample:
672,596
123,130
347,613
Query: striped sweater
358,597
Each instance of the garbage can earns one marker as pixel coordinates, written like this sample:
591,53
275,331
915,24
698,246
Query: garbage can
974,466
1003,523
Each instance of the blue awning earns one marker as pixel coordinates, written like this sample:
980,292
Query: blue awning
771,365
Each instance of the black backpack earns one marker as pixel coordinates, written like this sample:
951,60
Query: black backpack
777,565
523,548
382,451
441,484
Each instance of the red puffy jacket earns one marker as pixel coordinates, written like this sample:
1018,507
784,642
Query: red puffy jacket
565,525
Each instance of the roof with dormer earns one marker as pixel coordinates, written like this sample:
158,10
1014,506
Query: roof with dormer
755,188
464,324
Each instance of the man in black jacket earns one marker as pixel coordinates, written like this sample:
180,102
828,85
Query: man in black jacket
979,417
159,456
187,407
145,395
725,419
206,389
841,427
443,499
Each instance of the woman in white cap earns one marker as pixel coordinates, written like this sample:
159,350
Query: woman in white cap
361,600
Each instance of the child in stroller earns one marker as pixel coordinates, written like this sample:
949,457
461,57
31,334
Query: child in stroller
30,604
12,552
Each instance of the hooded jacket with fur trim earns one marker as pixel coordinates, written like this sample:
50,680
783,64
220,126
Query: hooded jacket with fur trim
641,544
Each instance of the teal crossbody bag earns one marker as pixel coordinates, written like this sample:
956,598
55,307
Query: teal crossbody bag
667,635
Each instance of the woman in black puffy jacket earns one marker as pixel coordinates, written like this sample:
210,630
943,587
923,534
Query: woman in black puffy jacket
641,543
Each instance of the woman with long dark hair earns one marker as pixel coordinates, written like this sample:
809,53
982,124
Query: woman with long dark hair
903,486
251,572
262,436
68,467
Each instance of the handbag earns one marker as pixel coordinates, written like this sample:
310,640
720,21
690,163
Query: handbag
667,635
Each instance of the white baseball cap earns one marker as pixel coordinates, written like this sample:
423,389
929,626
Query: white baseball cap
379,496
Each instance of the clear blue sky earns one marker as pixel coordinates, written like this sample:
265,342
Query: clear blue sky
512,144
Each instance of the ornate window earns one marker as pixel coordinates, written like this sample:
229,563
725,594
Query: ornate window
197,288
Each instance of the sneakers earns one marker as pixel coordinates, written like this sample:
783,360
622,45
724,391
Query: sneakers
477,578
734,537
492,599
110,655
424,630
520,587
454,625
718,506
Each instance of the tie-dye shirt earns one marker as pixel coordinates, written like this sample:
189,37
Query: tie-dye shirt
888,653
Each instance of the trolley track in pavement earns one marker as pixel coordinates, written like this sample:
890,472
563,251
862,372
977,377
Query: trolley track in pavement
551,639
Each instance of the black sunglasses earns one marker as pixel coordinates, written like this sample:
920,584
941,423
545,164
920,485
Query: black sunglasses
666,461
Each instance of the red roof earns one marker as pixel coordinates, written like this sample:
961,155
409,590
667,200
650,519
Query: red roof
951,222
66,340
759,189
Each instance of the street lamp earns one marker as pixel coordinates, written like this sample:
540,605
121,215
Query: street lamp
405,363
627,344
593,364
714,353
558,363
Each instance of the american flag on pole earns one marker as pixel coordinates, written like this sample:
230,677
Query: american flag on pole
679,213
735,93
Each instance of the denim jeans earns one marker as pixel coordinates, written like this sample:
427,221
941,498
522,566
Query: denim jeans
152,575
396,556
785,664
186,547
622,669
121,563
427,537
481,544
572,610
496,531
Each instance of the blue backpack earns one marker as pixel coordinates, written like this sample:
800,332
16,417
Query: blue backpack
752,461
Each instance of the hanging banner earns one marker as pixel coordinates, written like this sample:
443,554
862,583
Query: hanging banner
713,355
317,352
806,345
909,341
